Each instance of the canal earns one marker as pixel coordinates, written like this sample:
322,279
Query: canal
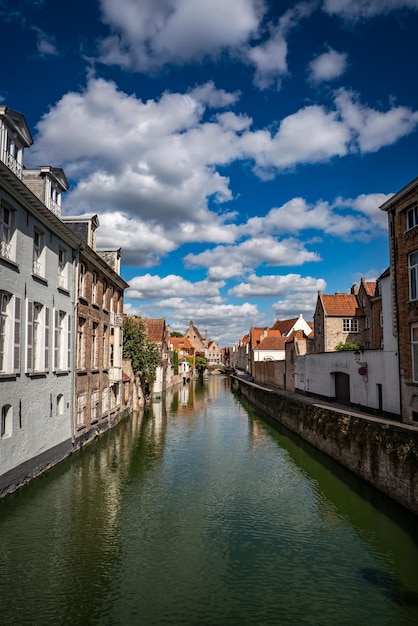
199,512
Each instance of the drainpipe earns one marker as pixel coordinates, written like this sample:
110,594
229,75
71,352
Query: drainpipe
76,255
395,287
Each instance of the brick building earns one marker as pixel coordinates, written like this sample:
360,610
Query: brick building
402,210
99,319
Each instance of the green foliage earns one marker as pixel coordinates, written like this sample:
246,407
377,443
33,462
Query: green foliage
144,355
341,347
175,333
201,364
176,361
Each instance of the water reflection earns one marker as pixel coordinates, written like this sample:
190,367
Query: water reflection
198,511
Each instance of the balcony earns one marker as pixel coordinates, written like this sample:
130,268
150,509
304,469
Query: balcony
54,207
5,249
13,165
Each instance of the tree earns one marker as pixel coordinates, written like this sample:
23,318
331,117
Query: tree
175,333
341,347
201,364
144,355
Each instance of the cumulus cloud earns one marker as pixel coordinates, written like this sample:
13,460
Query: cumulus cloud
249,254
146,34
150,287
327,66
273,286
156,172
354,10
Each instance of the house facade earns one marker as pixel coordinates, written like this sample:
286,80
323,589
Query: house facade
99,319
38,257
159,334
402,211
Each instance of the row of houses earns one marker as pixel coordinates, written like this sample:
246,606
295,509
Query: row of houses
362,348
61,316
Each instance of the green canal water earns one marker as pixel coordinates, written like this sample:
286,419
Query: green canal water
200,512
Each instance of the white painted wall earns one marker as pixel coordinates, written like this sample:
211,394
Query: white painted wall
36,427
269,355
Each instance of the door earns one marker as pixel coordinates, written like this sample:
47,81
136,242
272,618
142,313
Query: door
342,387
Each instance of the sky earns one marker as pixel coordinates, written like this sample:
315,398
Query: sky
236,150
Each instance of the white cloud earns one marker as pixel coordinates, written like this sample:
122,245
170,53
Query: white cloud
360,9
374,129
249,254
149,33
274,286
151,287
327,66
294,304
45,44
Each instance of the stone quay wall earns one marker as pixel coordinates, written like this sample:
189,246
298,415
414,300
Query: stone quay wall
383,454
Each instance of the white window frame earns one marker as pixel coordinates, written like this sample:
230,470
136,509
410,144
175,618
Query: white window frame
81,343
60,406
38,265
94,282
62,340
10,326
6,232
81,409
412,218
62,268
350,325
414,351
413,275
94,345
82,280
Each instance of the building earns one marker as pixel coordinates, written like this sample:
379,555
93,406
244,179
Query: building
99,319
38,256
159,333
402,211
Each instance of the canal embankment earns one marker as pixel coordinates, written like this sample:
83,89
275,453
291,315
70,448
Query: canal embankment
381,452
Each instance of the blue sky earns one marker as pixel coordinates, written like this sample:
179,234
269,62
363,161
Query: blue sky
237,151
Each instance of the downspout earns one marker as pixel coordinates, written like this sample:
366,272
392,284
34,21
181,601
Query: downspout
395,286
76,254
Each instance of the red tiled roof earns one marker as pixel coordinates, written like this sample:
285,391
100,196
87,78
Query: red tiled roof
341,304
155,328
272,343
256,334
285,326
370,287
181,343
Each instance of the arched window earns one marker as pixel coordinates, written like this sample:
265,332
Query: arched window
60,404
6,420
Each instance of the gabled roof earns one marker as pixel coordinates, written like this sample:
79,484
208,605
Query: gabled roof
370,287
255,334
181,343
272,343
341,304
155,329
285,326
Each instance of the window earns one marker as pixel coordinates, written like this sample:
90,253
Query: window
81,344
81,409
105,400
62,268
82,281
350,326
9,333
38,246
412,218
6,420
95,407
60,404
414,346
94,288
105,346
62,340
413,275
94,345
5,232
367,322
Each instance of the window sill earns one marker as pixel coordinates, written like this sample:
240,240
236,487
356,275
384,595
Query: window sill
83,300
95,370
64,290
40,279
37,374
6,376
82,372
80,427
10,262
61,372
95,305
